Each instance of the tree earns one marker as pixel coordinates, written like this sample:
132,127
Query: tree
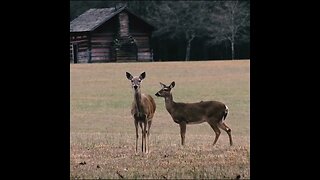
183,27
230,21
180,19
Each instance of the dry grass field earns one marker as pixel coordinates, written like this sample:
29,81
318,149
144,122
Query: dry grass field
102,134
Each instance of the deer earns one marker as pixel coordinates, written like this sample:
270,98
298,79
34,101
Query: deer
142,110
212,112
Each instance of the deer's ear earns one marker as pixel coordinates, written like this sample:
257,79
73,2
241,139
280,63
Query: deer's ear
142,75
162,85
172,84
129,76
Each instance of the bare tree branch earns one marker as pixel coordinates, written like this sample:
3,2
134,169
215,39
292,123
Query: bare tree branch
229,22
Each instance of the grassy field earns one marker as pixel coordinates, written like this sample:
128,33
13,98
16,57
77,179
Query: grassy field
102,134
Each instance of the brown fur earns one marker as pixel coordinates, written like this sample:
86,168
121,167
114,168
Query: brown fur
212,112
142,110
148,105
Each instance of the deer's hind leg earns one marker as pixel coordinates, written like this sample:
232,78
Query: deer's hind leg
142,139
148,133
216,131
223,126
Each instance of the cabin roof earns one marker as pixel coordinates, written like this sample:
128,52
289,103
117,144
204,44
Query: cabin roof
94,17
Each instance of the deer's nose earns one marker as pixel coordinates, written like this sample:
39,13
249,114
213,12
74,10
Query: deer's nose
135,86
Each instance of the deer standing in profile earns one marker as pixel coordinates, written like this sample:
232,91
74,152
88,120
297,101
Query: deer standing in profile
143,109
212,112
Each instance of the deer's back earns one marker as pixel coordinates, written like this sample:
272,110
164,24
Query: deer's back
198,112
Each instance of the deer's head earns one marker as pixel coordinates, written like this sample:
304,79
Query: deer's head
165,90
136,81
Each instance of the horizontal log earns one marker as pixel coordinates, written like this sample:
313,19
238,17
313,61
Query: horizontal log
82,43
98,50
140,37
78,37
145,55
79,41
101,41
100,58
143,50
100,55
139,34
126,58
82,47
101,45
102,35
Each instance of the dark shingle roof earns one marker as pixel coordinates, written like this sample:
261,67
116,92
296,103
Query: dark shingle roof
92,18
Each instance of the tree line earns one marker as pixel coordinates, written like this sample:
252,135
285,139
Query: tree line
189,30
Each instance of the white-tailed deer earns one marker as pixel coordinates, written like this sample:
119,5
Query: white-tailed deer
143,109
212,112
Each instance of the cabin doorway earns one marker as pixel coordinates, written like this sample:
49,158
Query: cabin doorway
127,52
125,49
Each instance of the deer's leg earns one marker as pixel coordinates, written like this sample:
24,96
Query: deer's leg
183,128
216,130
145,136
148,133
140,123
137,135
223,126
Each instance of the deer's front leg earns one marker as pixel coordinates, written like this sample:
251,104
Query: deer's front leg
137,135
183,128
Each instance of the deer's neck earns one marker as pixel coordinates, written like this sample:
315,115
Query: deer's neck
169,103
137,101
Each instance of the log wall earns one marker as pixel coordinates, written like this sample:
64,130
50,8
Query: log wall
97,45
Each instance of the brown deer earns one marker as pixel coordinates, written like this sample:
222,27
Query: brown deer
143,109
212,112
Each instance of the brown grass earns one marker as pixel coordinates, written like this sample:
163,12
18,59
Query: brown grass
103,134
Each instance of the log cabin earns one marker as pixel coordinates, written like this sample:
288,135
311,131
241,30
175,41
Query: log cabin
110,35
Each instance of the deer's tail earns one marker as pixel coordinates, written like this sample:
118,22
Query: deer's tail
226,111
